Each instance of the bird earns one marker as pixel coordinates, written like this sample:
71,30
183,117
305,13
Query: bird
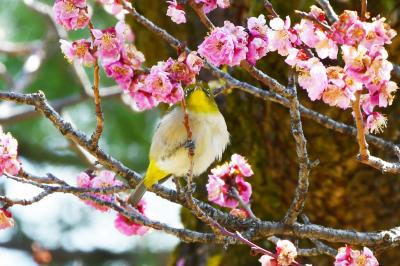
168,154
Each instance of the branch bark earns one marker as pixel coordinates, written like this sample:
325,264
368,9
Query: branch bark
300,196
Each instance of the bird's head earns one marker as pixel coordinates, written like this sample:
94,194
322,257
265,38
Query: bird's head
201,100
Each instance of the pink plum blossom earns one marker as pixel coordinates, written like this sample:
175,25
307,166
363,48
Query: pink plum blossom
383,94
218,47
109,42
378,71
378,33
313,78
112,6
179,71
325,47
80,50
176,12
257,26
340,27
258,48
210,5
121,72
240,39
286,252
368,258
133,55
240,165
349,257
314,37
71,14
375,122
163,84
216,190
101,179
128,227
158,82
341,88
142,97
8,154
267,260
307,32
6,220
346,257
225,177
296,57
355,33
317,13
281,36
194,62
240,213
357,60
226,45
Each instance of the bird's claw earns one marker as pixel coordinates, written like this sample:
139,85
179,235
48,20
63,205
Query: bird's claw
192,188
190,144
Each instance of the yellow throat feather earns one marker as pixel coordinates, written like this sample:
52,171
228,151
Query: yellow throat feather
198,101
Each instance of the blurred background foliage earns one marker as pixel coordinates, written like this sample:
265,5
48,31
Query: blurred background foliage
343,193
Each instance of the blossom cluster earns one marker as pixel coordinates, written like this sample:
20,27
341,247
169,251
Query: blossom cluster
100,179
177,12
8,154
127,227
349,257
71,14
286,252
6,220
165,81
106,179
361,44
225,178
122,62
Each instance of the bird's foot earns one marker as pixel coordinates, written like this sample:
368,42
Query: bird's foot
192,188
191,145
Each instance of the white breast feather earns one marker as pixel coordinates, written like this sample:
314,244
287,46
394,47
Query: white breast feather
210,135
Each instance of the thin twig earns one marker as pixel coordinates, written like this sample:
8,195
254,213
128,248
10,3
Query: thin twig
356,105
198,8
329,11
316,21
362,143
97,101
268,6
189,140
363,13
245,206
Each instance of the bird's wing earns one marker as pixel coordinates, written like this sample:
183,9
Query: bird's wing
169,136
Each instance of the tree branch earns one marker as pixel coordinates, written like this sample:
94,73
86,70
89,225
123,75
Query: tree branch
253,228
299,199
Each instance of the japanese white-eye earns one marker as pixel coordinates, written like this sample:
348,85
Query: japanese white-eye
169,148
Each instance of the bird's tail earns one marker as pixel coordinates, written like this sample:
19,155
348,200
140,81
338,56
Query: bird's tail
137,194
153,175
